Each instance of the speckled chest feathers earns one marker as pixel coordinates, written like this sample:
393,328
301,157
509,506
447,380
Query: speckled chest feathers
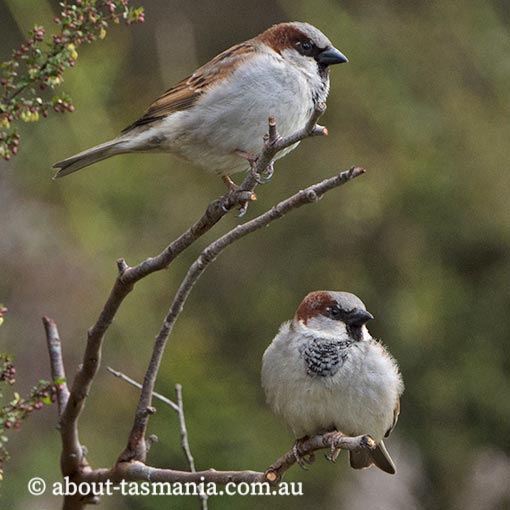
323,358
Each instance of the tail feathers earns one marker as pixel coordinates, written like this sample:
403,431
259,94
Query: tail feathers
88,157
383,460
361,459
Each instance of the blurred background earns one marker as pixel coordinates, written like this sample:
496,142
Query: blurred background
423,238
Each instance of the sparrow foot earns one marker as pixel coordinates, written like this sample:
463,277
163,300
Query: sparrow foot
340,441
234,188
334,453
265,176
248,156
245,203
301,459
335,447
229,183
237,197
242,210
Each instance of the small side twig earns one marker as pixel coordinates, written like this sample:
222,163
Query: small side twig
72,458
58,373
179,409
136,384
185,443
184,430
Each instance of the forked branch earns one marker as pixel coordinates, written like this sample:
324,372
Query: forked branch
135,449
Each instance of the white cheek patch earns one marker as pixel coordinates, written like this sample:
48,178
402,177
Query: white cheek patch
327,327
306,64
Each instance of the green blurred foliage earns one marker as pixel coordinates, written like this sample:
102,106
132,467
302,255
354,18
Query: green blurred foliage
423,238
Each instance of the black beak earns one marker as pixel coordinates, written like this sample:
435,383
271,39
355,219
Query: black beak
331,56
358,318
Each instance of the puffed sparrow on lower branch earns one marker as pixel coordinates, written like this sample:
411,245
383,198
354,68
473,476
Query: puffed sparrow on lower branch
323,371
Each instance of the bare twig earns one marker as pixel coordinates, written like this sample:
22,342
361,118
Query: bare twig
135,449
185,443
124,284
58,373
184,430
179,409
136,384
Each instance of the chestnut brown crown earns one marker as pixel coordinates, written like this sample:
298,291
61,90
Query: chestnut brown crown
342,306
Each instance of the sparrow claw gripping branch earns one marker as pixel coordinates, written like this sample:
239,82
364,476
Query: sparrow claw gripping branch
302,460
335,448
266,175
243,209
237,197
229,183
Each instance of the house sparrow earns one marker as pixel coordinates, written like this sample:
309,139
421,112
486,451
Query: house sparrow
217,117
324,372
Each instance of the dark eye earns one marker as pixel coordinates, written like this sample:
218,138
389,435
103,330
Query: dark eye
305,47
334,311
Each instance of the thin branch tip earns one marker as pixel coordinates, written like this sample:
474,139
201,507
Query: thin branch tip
122,266
47,321
272,130
355,171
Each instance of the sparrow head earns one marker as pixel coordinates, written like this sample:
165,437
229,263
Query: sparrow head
338,313
303,45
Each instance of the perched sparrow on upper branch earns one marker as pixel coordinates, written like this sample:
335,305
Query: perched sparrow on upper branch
324,372
217,117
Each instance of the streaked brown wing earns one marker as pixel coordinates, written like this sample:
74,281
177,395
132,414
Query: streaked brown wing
185,94
396,412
